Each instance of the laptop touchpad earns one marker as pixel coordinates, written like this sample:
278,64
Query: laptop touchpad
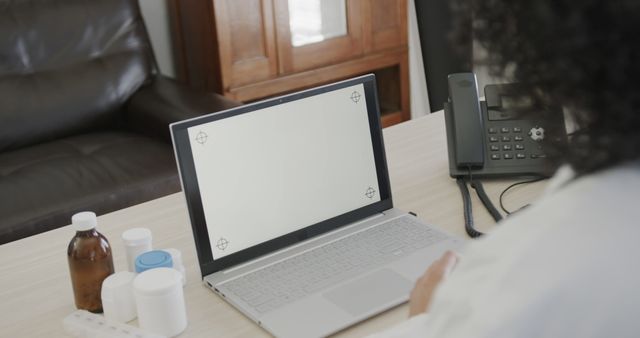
370,292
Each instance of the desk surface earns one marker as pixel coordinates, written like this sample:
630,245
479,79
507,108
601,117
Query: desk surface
35,290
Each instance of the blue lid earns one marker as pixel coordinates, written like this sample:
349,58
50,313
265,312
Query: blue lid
153,259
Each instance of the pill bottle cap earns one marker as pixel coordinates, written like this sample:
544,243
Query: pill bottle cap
117,297
156,282
153,259
84,221
120,279
136,236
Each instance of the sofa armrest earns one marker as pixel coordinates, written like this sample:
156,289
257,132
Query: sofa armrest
154,106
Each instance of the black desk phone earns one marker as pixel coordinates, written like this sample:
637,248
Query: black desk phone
492,138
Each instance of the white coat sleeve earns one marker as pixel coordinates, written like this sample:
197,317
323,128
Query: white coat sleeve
413,327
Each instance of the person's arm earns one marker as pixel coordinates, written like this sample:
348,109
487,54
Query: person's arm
423,291
420,299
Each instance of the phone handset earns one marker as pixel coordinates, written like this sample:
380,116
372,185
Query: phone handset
468,141
468,124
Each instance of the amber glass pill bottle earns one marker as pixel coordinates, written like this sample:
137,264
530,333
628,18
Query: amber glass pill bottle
90,262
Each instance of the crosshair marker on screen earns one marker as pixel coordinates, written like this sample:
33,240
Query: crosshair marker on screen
222,243
370,192
201,137
355,97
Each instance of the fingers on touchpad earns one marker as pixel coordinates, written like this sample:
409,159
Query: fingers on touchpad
370,292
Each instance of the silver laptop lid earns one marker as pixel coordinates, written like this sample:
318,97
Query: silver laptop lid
260,177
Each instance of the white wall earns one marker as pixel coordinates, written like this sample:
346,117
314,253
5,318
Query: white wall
417,80
156,17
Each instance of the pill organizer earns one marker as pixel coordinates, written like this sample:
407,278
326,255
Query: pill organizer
83,324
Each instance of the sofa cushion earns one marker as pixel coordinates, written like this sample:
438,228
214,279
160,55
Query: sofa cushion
43,185
67,67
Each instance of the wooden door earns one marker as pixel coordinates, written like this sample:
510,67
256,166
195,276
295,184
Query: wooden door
297,55
246,40
385,24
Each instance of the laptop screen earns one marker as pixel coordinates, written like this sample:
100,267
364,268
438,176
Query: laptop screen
263,176
283,168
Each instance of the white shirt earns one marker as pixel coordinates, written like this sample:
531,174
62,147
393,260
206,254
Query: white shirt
568,266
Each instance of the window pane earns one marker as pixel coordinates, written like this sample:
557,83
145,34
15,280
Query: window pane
313,21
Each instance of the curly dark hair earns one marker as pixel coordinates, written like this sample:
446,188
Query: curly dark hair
581,55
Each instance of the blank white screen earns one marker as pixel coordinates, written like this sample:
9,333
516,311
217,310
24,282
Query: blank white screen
276,170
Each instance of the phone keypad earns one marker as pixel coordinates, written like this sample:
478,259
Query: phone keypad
509,144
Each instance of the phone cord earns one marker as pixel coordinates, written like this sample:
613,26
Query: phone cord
477,185
468,208
468,212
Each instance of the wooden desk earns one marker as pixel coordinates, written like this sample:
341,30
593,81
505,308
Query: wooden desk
35,290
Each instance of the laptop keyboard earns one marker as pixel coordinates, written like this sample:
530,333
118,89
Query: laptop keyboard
286,281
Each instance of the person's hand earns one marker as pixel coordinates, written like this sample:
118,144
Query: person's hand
422,293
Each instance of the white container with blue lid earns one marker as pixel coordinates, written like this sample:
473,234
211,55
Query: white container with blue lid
153,259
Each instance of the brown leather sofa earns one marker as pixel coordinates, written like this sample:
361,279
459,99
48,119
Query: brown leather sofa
84,113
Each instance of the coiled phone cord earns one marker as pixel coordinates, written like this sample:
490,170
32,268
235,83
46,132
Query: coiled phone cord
468,212
468,209
484,198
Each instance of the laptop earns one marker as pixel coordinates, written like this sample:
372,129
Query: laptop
291,209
